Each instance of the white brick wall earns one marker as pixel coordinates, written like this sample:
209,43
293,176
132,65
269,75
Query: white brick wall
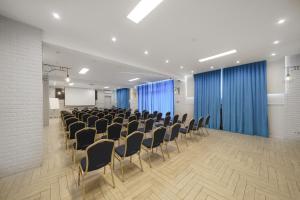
21,118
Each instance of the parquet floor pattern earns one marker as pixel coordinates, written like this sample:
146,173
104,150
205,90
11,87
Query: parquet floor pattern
220,166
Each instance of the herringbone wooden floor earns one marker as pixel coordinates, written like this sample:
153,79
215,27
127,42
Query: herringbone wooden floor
219,166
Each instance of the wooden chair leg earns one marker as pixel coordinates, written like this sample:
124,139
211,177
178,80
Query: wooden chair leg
186,140
162,152
112,175
122,170
167,149
140,161
79,173
149,155
177,145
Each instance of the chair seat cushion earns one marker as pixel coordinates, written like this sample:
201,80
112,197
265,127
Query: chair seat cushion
83,165
183,130
120,150
167,137
141,129
124,133
82,148
147,142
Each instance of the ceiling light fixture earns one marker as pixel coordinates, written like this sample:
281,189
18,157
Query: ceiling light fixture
71,84
273,54
167,61
237,61
181,67
146,52
218,55
142,9
281,21
114,39
68,78
212,67
55,15
276,42
84,70
134,79
106,87
192,71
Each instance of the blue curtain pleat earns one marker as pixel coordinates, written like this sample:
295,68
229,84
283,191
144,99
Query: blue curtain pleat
156,96
123,98
207,99
244,103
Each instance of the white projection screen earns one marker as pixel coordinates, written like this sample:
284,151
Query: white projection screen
79,97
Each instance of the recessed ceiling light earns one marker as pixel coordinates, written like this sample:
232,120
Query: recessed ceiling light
56,15
237,61
192,71
281,21
134,79
68,79
142,9
114,39
212,67
218,55
273,54
146,52
167,61
84,70
276,42
181,67
70,84
106,87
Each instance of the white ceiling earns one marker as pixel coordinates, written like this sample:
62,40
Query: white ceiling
181,31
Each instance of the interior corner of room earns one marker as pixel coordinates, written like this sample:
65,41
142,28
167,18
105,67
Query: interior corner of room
209,90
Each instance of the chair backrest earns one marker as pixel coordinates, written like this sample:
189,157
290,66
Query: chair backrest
127,114
200,123
184,117
70,121
133,143
149,125
145,115
150,116
168,114
91,121
114,131
122,115
131,118
191,125
113,114
207,120
99,154
158,117
118,120
175,131
106,112
167,121
154,114
138,115
132,126
175,119
85,117
85,137
109,118
74,127
101,125
100,115
65,117
95,113
158,136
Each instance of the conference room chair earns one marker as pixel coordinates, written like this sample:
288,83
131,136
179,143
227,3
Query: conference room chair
154,114
198,127
109,118
183,119
101,126
172,136
91,121
127,114
83,138
118,120
69,121
85,117
130,119
81,114
159,117
74,112
168,114
175,119
113,114
106,112
113,132
151,116
122,115
145,115
100,115
98,155
95,113
147,127
132,127
188,130
73,128
65,117
166,122
132,146
138,115
154,142
206,123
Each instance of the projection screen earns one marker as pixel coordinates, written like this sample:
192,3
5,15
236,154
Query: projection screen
79,97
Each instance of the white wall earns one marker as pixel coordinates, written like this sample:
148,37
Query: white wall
21,99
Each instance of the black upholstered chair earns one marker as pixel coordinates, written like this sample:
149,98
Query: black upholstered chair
95,113
98,155
101,125
199,126
131,127
113,132
121,115
84,138
85,117
109,118
166,122
159,117
132,146
65,117
91,121
80,115
73,128
155,141
69,121
148,126
118,120
188,129
138,115
175,119
127,114
206,124
154,114
172,136
100,115
183,119
168,114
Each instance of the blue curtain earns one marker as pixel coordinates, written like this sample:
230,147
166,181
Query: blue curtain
156,96
208,97
244,103
123,98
